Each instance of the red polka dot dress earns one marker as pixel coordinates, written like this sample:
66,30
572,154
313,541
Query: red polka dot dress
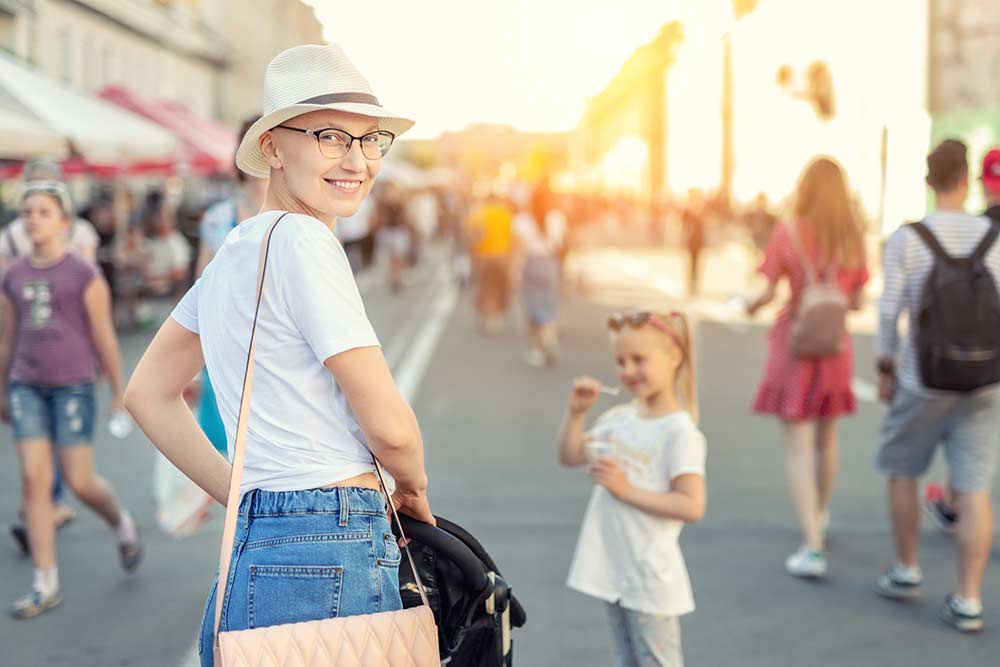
799,389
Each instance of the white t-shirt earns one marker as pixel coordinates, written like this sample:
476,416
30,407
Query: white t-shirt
535,243
625,555
301,432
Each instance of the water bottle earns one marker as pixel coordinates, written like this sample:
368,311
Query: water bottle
120,424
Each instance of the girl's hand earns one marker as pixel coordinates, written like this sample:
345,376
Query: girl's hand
606,472
583,395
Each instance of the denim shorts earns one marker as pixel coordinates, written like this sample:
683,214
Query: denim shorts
304,556
63,415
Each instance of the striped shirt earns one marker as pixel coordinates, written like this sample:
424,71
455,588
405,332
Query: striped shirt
907,263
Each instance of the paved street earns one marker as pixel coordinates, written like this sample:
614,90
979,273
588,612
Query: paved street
489,423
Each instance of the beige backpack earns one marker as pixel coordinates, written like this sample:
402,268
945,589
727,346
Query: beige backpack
819,324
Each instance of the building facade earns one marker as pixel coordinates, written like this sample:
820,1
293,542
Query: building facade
209,55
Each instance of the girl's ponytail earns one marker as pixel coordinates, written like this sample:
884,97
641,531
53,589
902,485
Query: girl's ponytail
687,380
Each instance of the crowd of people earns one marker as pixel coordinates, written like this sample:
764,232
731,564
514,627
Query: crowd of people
303,484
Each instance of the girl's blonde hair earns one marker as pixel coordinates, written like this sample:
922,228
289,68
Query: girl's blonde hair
686,381
823,205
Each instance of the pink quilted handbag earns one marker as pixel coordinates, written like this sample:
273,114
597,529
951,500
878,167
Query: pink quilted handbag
406,638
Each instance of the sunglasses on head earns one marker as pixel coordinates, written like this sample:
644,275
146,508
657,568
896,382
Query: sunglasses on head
641,318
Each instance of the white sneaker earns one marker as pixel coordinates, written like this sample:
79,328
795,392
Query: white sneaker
536,359
806,564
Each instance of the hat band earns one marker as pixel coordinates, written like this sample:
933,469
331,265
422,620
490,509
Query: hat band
340,98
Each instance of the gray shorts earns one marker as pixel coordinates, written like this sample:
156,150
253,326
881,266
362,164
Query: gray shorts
966,425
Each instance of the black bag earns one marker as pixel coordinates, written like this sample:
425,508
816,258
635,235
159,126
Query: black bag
958,322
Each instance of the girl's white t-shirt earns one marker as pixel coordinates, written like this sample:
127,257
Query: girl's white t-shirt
625,555
301,431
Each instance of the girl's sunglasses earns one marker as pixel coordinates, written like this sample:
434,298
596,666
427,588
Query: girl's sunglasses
641,318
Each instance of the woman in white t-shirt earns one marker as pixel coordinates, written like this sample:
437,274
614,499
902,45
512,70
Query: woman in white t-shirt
313,539
647,460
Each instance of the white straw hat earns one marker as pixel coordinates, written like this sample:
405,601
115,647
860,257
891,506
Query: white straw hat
308,78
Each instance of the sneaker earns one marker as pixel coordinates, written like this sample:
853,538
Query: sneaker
130,554
934,504
34,604
536,359
896,586
958,619
806,564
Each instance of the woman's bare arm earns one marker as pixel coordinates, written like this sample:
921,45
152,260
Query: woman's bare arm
155,398
388,422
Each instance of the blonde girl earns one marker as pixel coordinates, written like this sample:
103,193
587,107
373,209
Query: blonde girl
647,461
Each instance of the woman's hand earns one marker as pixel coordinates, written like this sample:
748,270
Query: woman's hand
609,474
583,395
413,504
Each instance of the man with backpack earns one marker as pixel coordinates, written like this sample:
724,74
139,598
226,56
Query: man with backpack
943,272
938,500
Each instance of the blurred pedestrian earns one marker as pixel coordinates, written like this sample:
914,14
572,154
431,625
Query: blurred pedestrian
647,461
223,217
946,391
168,251
15,244
395,236
322,392
491,231
58,325
693,227
540,233
820,252
219,220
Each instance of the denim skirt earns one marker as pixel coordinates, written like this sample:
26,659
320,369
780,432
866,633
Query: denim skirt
304,556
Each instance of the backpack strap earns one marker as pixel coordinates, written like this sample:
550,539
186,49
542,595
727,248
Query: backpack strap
800,250
931,242
984,246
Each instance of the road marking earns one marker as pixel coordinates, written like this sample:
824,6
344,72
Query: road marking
411,372
864,390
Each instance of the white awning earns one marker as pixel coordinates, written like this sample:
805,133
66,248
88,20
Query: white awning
23,137
100,131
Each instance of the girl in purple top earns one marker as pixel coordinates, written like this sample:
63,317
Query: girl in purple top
55,310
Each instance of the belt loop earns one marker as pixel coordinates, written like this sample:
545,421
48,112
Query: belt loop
246,504
345,508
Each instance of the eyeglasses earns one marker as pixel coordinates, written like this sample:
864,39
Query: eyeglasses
641,318
334,143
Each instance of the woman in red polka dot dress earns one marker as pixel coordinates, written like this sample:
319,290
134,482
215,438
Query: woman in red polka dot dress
810,394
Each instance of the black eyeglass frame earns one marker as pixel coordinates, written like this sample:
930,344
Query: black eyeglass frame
315,134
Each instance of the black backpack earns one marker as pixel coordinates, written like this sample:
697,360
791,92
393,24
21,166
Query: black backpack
958,321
